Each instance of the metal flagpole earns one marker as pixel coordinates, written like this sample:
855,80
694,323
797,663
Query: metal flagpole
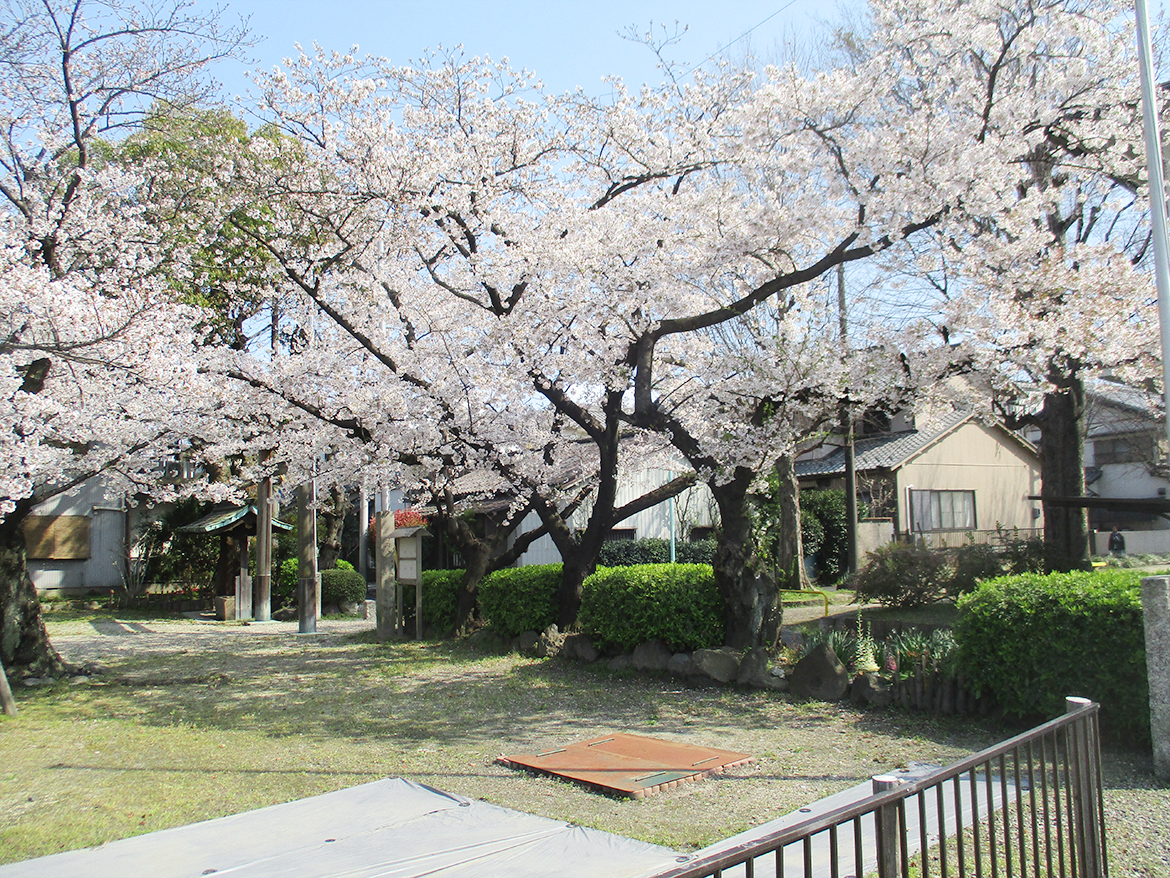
1157,192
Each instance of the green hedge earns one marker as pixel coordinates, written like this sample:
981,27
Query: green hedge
518,599
1031,640
339,586
439,591
676,603
624,553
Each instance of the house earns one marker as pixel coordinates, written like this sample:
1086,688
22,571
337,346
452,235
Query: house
945,479
1125,457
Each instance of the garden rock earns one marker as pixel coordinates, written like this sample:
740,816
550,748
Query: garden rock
486,640
620,663
819,675
719,664
550,642
754,671
791,638
351,608
285,614
870,690
651,656
526,642
681,665
580,648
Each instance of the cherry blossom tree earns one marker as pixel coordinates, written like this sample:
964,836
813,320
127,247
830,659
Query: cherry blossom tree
97,358
507,277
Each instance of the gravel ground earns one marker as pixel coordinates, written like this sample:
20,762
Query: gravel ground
439,715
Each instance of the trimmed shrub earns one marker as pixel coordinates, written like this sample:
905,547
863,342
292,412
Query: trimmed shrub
901,575
518,599
625,553
339,586
1030,640
676,603
974,563
439,588
696,552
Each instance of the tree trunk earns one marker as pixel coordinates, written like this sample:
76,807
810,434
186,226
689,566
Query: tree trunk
24,643
332,514
752,612
791,572
1062,474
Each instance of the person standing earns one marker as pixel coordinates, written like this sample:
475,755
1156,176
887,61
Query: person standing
1116,543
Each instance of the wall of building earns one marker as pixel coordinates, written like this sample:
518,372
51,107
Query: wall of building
986,460
695,507
103,569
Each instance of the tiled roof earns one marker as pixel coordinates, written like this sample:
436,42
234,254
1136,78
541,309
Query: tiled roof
887,451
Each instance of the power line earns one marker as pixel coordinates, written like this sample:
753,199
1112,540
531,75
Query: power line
719,51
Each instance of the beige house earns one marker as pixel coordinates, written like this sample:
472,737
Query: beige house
947,482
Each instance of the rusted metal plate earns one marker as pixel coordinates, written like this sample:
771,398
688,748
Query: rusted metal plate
628,765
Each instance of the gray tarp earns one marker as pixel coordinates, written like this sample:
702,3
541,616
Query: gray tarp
391,827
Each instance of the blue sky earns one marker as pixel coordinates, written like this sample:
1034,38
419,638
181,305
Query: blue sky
567,43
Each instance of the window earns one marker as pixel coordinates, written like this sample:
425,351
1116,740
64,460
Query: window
942,510
1138,448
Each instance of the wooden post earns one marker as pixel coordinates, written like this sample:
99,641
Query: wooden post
243,580
262,593
6,699
307,591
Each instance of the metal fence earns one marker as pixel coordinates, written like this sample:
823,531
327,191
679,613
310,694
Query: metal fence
954,539
1030,806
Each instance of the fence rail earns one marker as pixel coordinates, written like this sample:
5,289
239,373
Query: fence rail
1032,805
954,539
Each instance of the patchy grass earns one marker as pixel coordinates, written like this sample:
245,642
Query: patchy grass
196,720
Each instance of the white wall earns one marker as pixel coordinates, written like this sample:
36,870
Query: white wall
695,507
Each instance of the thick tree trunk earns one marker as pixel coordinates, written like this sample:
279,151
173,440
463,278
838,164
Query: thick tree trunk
1062,473
751,601
332,515
790,548
24,643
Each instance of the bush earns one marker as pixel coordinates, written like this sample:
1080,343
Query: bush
824,511
284,584
439,591
974,563
676,603
696,552
340,586
623,553
901,575
1030,640
518,599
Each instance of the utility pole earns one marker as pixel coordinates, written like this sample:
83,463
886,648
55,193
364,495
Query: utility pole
847,432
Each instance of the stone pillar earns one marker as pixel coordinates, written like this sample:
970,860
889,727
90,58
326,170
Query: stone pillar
363,543
308,592
262,592
1156,615
387,599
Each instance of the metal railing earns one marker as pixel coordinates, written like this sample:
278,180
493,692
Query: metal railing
1030,806
954,539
